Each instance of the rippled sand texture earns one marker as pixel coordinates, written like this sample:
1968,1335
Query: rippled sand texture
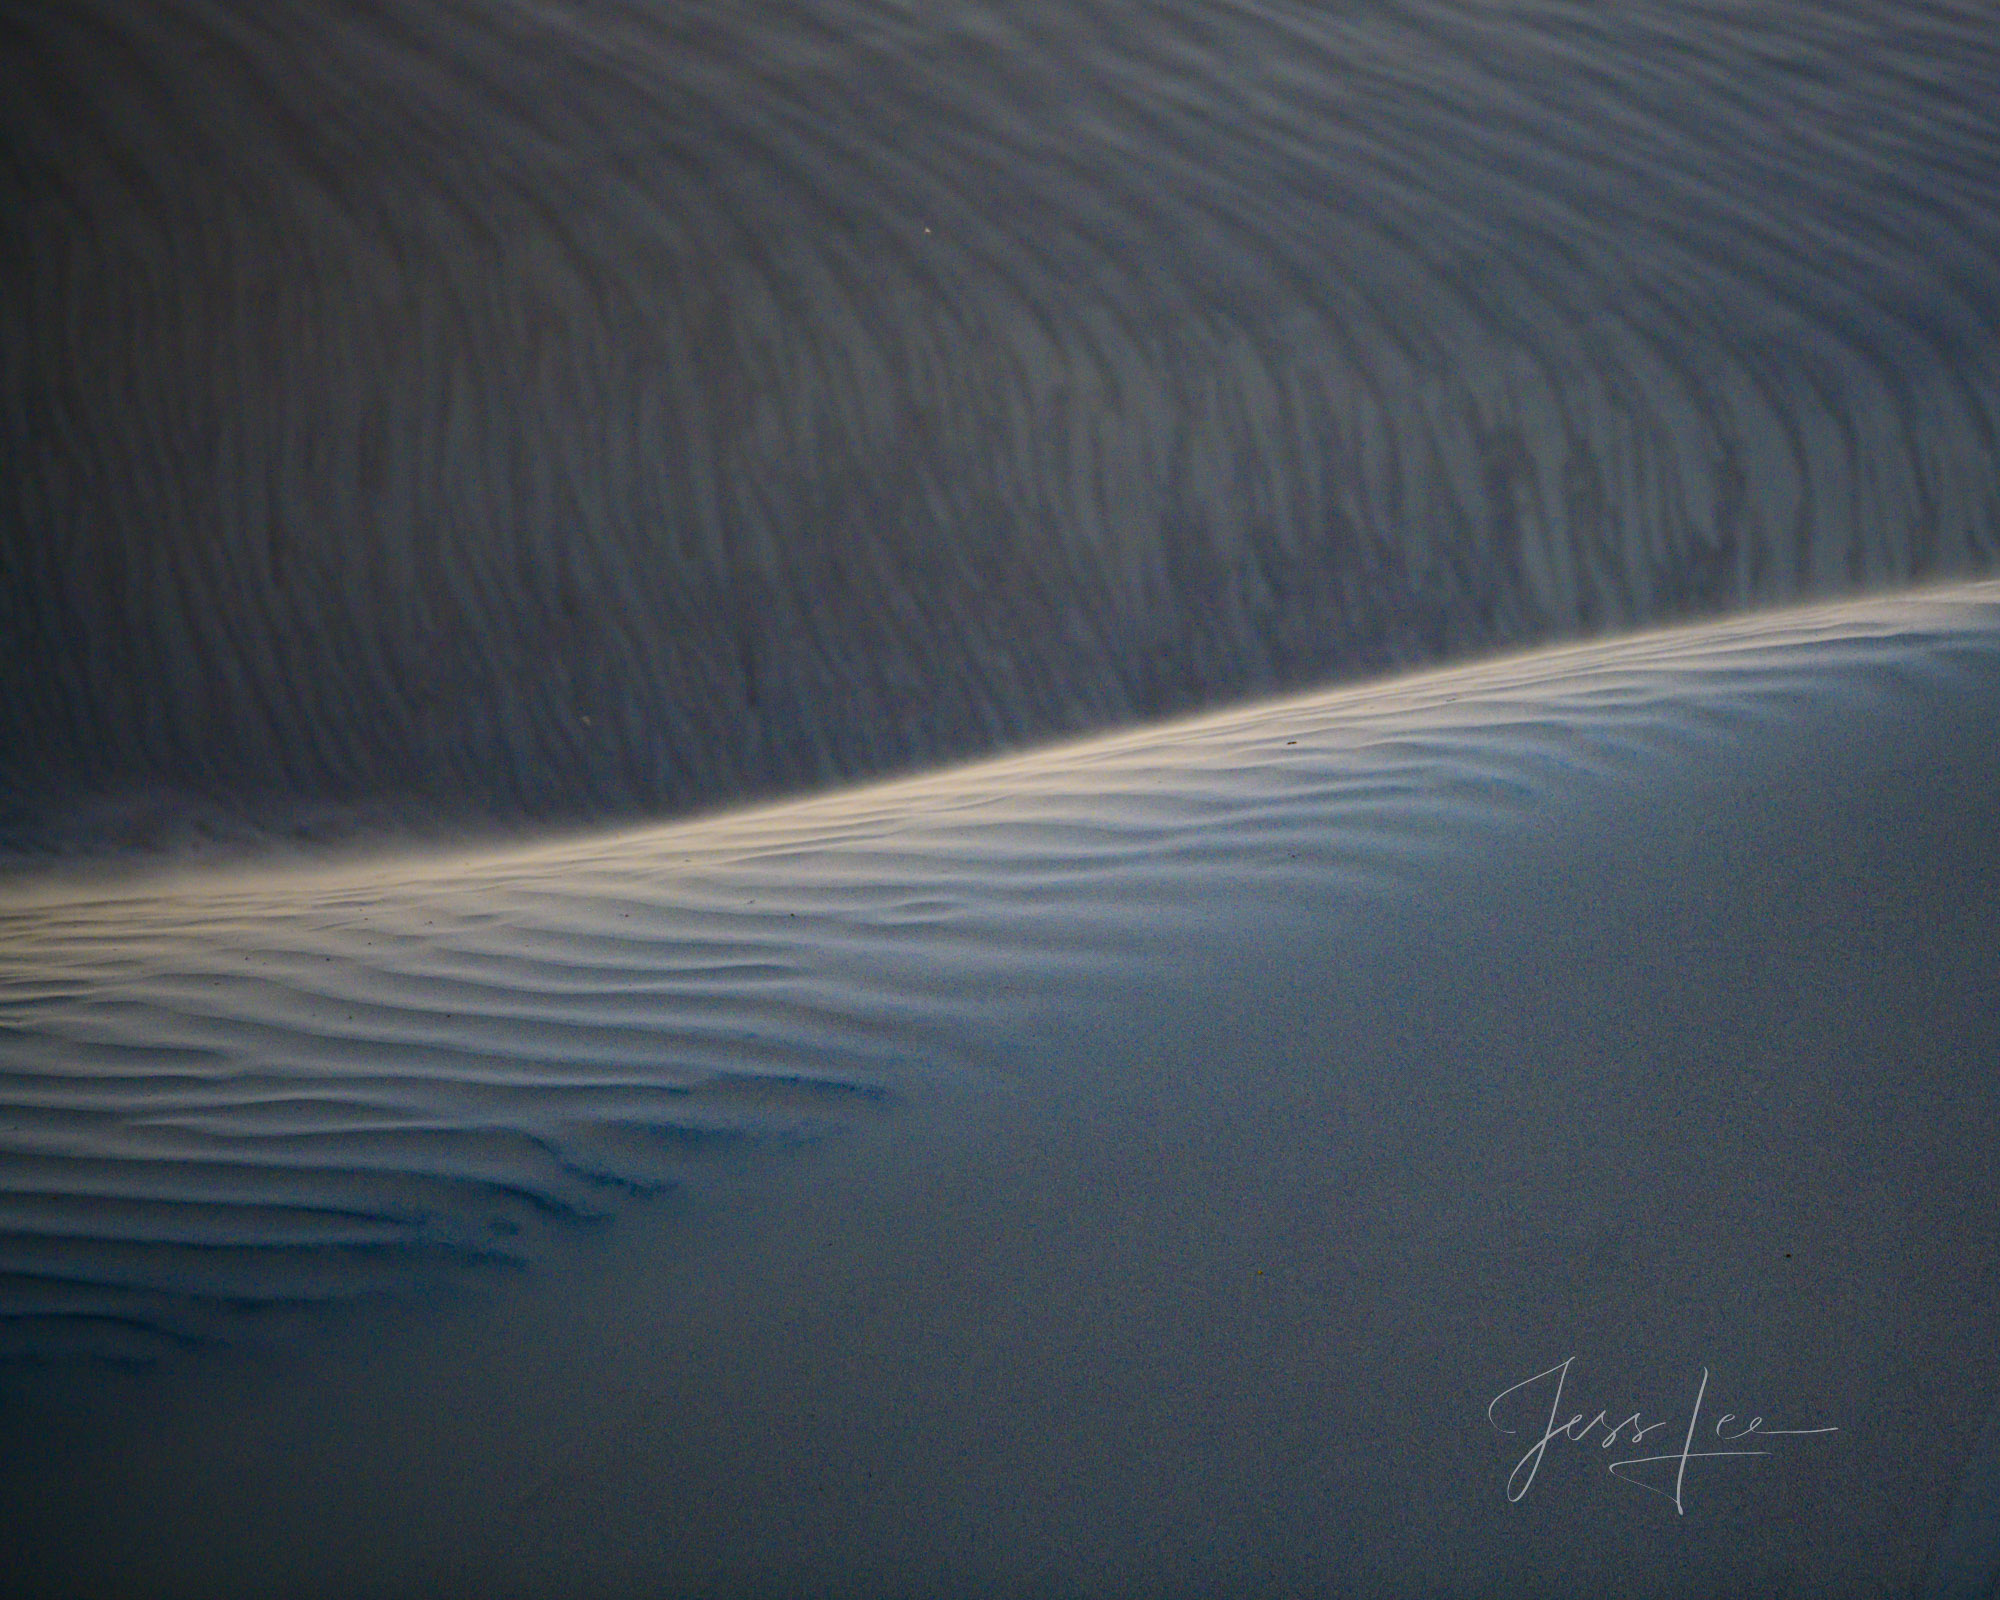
1131,1167
554,408
244,1086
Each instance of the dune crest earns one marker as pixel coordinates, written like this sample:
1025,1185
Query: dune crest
573,410
1138,1164
249,1085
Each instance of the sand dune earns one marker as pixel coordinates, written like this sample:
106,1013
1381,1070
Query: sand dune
564,410
1182,1160
1130,1166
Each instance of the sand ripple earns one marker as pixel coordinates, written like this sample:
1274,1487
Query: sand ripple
562,409
257,1088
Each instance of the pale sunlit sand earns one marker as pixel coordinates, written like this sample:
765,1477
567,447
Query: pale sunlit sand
1135,1166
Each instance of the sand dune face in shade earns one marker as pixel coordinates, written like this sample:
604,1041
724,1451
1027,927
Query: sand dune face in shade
561,408
1133,1165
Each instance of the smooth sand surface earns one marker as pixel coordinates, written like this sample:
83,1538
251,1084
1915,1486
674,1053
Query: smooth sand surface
1141,1166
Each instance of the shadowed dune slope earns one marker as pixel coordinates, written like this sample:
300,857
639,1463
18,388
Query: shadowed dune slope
582,406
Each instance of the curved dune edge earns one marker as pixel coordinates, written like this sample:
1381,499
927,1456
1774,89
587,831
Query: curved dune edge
1191,1111
572,410
289,1074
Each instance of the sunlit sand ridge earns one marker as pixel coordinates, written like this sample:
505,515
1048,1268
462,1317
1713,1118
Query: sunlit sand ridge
1133,1165
571,409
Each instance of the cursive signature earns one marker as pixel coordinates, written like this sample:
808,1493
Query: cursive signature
1631,1431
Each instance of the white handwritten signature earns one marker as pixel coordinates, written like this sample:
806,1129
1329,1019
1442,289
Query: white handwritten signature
1578,1431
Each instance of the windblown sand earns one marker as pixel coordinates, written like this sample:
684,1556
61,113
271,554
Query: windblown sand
589,409
1131,1167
